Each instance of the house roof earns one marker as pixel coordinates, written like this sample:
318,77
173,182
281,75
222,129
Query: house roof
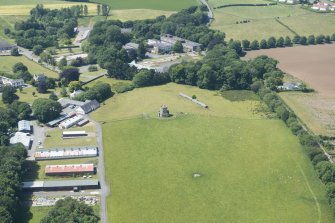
90,106
4,44
21,137
70,168
24,125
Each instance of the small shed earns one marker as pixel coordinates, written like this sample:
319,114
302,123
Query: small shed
24,126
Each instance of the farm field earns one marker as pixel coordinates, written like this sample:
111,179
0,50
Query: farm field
24,9
7,62
151,162
314,66
263,22
172,5
216,3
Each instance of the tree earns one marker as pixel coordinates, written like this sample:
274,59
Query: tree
8,94
246,44
42,87
272,42
143,78
46,110
19,67
280,42
70,210
333,37
254,45
63,93
303,40
14,52
178,47
288,41
236,45
85,10
263,44
22,109
53,96
62,63
320,39
311,40
327,39
141,51
74,86
37,50
296,39
69,74
98,9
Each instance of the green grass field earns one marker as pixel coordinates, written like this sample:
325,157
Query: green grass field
252,168
216,3
55,139
172,5
7,62
9,22
263,24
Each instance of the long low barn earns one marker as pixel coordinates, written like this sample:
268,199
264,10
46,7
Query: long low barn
73,134
66,153
52,170
57,185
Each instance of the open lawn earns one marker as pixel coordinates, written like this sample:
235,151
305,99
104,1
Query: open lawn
250,169
263,22
7,62
111,81
24,9
54,137
172,5
26,95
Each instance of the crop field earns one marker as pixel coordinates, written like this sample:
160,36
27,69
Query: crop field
314,66
215,165
7,62
263,22
172,5
25,9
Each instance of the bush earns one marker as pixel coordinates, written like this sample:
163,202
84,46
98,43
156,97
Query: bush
308,140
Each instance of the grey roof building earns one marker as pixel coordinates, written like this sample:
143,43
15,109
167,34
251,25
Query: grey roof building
24,126
6,46
88,107
56,185
66,102
23,138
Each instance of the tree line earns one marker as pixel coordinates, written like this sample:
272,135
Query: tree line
273,42
11,163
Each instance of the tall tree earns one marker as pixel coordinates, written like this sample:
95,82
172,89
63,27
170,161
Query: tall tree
85,10
46,110
98,9
8,94
178,47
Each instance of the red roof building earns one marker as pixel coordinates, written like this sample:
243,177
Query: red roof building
69,169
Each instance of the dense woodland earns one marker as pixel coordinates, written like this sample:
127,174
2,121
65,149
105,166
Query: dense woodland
45,28
11,162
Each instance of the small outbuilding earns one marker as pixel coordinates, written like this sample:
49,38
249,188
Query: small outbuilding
24,126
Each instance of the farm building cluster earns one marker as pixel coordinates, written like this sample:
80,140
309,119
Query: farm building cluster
11,82
23,134
66,153
323,6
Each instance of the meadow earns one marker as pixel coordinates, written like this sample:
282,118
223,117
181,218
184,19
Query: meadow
172,5
248,168
263,22
7,62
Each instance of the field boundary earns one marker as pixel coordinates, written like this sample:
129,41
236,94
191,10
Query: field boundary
235,5
287,27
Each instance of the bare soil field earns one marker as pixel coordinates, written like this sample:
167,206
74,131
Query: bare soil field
315,66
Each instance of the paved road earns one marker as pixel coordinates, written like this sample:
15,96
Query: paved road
210,11
101,171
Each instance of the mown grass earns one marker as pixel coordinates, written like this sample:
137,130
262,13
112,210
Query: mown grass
54,138
9,22
172,5
252,168
263,22
26,95
7,62
147,101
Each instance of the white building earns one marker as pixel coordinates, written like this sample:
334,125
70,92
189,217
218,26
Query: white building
11,82
68,123
24,126
21,137
66,153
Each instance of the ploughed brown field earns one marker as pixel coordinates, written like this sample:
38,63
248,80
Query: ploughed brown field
315,65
